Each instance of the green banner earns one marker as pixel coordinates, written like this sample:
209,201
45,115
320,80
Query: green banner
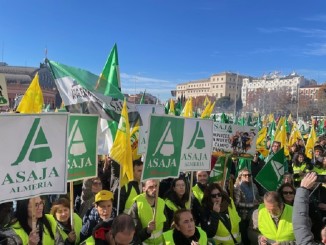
164,147
82,148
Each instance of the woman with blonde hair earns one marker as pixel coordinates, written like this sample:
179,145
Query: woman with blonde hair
247,199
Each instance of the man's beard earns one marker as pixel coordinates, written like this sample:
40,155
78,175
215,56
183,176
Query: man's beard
150,196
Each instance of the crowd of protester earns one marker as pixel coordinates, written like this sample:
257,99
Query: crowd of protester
177,213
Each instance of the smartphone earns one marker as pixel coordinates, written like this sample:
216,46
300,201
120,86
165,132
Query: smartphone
321,178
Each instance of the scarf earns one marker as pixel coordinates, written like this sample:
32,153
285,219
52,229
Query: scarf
179,238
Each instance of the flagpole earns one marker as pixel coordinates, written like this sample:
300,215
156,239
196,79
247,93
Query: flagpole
191,183
71,194
156,197
119,190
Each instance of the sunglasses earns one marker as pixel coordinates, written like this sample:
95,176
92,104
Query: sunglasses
216,195
246,175
287,192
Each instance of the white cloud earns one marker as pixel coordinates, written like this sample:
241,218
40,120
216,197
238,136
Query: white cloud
321,18
318,49
132,84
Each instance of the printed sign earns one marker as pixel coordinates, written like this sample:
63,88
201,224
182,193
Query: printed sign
82,146
33,155
174,142
144,112
229,137
197,145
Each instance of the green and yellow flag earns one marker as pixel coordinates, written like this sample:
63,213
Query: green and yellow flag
121,148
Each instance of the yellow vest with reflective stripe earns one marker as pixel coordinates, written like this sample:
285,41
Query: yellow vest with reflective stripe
198,193
298,170
168,237
222,234
146,213
171,205
283,232
46,235
89,241
77,227
130,198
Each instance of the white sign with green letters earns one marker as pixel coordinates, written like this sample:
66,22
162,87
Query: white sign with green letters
33,155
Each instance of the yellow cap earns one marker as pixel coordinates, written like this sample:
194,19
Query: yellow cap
103,195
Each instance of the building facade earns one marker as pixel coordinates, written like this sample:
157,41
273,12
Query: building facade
310,92
291,83
18,78
217,85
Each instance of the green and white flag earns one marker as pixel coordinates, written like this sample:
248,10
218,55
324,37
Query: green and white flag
271,175
175,142
33,155
4,101
77,88
217,172
82,146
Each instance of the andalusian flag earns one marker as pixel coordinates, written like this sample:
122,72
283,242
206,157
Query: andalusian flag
311,142
110,75
121,149
32,101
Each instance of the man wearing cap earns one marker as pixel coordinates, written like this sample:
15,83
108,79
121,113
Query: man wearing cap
102,211
149,215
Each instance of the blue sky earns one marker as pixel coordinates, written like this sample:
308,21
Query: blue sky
163,43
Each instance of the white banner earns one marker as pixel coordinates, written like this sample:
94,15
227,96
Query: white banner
4,100
144,111
197,145
230,137
33,155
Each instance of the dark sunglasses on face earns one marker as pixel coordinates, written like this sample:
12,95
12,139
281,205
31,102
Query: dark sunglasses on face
216,195
287,192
